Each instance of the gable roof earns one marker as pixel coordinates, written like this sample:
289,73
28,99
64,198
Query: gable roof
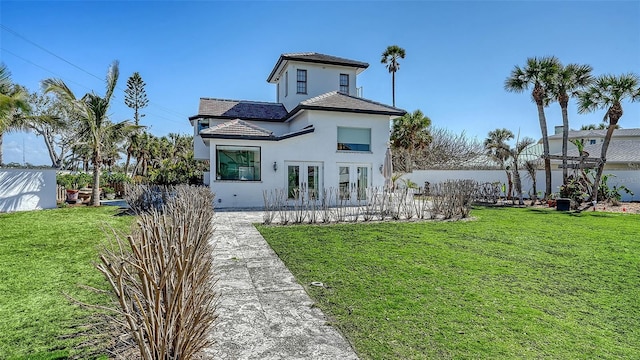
314,57
237,127
243,109
337,101
600,133
619,151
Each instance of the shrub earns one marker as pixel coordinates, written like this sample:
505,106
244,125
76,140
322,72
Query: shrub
161,275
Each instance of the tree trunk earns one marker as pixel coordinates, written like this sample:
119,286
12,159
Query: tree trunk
393,88
615,112
545,147
564,103
126,164
95,191
518,185
509,185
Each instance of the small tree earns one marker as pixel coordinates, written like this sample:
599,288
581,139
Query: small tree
608,92
411,133
136,99
497,149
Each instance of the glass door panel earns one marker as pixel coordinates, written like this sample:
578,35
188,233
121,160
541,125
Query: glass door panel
362,182
293,181
313,182
344,182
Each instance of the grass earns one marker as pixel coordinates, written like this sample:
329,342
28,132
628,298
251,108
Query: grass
43,255
514,283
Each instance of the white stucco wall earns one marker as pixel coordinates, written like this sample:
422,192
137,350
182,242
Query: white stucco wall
319,146
27,189
628,178
321,79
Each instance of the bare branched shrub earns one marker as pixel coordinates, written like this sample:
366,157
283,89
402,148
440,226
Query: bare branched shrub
161,275
452,198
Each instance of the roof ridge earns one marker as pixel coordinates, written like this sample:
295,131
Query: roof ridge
242,101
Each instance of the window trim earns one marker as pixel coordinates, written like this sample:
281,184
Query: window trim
245,148
346,149
286,84
303,82
340,85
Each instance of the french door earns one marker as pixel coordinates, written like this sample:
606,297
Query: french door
304,180
353,181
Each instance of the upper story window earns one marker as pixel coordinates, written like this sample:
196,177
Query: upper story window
354,139
301,87
238,163
202,124
592,142
344,83
286,84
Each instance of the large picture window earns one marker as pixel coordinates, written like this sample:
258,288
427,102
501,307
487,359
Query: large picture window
354,139
302,82
238,163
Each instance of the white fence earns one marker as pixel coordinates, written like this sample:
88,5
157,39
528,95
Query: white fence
628,178
27,189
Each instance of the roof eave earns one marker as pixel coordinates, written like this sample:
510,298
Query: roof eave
257,138
338,109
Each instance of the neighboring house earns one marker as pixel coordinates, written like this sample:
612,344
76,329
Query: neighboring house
623,151
317,135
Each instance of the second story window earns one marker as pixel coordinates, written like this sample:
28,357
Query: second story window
344,83
301,87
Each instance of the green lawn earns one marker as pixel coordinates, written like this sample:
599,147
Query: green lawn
44,254
514,283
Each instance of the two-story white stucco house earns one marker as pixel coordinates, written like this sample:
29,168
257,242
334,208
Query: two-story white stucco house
317,135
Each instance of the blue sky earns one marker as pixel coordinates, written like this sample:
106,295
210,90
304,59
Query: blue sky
458,53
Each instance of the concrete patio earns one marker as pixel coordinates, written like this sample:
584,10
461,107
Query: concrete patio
263,312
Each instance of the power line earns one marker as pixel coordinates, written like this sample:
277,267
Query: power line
48,52
4,27
42,67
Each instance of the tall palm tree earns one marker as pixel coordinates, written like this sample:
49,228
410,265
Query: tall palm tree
497,148
14,104
411,133
565,83
390,57
608,92
94,120
538,73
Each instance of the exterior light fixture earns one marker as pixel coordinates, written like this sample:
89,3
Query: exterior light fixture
275,166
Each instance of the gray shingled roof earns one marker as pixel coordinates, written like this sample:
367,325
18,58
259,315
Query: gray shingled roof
337,101
314,57
237,127
581,134
232,109
619,151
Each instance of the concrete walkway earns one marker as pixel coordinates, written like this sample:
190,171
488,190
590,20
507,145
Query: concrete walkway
263,312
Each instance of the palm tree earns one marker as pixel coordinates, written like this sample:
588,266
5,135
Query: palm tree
516,152
14,104
539,74
566,82
94,120
411,133
497,148
390,57
608,92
